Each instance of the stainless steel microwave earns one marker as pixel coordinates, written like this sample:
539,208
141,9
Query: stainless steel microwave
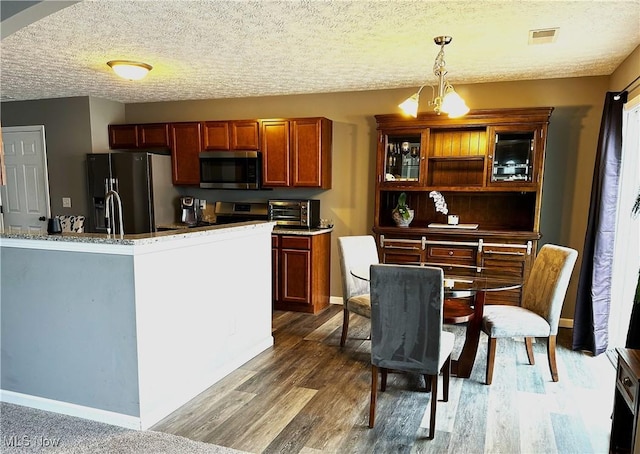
230,169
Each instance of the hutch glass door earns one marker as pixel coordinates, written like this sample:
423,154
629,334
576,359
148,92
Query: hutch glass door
513,157
402,157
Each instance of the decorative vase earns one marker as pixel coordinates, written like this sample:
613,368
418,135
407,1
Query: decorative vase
399,220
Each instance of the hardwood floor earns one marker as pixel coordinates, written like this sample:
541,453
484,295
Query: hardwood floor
306,395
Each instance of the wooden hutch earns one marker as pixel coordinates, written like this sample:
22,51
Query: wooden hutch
489,167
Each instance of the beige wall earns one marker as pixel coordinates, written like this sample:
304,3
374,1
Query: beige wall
573,135
628,70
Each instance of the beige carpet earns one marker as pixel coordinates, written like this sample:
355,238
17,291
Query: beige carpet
27,430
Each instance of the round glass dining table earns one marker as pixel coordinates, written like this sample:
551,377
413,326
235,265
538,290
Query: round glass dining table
464,298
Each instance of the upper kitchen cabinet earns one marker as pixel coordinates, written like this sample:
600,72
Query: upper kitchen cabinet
230,135
296,152
123,136
185,153
152,135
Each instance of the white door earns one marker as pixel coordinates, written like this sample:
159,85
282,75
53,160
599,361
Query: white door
25,197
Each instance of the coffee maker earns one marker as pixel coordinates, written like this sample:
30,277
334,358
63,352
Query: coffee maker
189,210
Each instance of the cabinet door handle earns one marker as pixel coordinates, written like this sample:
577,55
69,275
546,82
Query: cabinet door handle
626,381
489,251
404,248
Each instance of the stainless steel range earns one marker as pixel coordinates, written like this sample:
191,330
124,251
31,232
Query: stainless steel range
230,212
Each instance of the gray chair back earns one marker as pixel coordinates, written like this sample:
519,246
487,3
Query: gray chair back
406,317
355,252
546,287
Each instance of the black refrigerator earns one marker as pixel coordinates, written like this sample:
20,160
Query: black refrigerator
143,181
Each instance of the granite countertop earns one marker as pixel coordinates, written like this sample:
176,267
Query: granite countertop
134,239
284,230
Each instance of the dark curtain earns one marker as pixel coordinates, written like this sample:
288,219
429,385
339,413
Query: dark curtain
591,317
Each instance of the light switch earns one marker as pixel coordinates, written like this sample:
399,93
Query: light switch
66,202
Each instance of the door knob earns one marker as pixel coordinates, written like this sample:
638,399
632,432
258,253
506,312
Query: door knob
42,218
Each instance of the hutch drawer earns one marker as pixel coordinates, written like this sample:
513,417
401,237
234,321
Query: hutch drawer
401,250
458,254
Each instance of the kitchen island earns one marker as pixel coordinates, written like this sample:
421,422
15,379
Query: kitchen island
125,331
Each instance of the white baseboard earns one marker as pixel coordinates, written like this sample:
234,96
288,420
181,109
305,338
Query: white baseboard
66,408
335,300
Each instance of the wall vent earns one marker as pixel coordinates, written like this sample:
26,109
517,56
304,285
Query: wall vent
543,36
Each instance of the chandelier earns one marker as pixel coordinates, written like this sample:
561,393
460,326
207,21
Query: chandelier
447,100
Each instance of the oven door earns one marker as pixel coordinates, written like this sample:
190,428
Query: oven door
230,169
286,213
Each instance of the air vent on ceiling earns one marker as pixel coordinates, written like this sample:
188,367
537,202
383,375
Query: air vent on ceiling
543,36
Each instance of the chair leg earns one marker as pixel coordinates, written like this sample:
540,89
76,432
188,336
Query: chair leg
345,327
551,354
374,393
434,402
427,383
491,357
446,373
383,385
528,342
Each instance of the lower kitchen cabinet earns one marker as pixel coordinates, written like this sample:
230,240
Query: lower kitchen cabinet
301,266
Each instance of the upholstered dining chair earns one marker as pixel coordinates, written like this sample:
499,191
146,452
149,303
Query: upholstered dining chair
539,315
406,329
356,252
72,223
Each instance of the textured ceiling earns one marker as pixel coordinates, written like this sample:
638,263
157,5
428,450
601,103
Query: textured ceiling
226,49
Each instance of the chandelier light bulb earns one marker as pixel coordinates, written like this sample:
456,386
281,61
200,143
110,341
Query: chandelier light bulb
453,104
410,105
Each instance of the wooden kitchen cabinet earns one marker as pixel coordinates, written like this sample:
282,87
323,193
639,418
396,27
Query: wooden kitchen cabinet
489,166
296,152
230,135
140,136
186,142
154,135
123,136
301,265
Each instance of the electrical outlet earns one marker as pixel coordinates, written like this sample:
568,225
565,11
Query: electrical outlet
203,204
66,202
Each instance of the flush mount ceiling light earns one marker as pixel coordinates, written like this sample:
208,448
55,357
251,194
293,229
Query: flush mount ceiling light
131,70
447,101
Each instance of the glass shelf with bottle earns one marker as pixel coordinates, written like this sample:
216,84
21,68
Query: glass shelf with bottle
402,158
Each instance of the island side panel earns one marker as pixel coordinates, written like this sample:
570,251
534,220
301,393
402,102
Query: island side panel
203,309
68,331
